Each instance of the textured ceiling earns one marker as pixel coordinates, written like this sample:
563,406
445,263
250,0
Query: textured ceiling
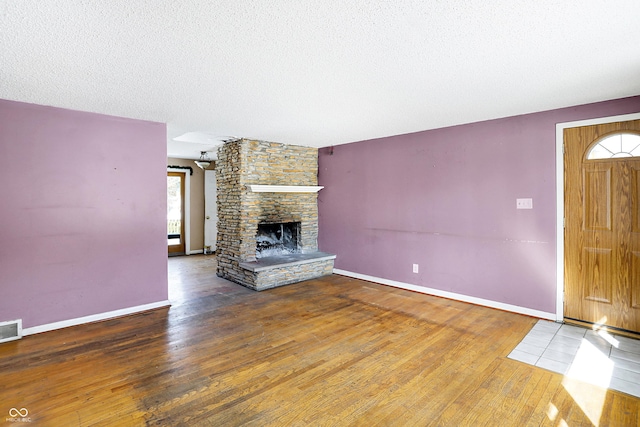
318,72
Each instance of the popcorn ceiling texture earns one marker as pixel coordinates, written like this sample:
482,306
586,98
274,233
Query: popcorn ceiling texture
317,73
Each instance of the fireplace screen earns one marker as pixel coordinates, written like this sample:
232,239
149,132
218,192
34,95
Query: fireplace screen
277,239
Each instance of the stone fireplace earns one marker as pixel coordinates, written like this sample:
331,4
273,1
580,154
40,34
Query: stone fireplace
268,214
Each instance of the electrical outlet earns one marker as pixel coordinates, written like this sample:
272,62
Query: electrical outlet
415,268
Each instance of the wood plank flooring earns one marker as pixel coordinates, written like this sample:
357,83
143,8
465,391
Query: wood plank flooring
329,352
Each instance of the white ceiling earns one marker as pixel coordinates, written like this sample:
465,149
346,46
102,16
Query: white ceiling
316,72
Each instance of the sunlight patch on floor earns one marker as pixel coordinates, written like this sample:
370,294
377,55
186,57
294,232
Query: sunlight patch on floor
591,356
592,366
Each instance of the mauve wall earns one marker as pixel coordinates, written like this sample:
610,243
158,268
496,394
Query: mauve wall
446,199
83,213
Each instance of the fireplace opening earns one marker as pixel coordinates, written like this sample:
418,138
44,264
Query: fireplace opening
277,239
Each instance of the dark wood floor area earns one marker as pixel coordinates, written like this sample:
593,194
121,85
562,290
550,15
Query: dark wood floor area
329,352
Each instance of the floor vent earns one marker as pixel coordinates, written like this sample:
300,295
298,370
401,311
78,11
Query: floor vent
11,330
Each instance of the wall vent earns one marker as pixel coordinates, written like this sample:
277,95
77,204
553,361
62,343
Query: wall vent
11,330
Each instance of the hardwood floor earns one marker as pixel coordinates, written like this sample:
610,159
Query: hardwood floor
329,352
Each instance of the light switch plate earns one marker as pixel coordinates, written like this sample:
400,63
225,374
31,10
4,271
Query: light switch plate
524,203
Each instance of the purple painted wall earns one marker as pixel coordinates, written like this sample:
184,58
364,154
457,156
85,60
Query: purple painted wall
82,214
446,199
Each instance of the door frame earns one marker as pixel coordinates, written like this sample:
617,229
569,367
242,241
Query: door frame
187,208
560,127
207,203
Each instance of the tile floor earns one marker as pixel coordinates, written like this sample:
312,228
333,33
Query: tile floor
598,358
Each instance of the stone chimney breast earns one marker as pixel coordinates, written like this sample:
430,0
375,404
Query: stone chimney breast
267,183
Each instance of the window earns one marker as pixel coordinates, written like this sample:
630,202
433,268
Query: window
616,145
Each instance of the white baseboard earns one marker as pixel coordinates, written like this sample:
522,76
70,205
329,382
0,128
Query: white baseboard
197,251
451,295
93,318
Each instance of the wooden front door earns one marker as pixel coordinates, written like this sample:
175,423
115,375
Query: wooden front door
602,225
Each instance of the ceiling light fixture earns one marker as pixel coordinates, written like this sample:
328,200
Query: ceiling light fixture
204,161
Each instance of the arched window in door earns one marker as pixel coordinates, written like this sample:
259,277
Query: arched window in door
618,145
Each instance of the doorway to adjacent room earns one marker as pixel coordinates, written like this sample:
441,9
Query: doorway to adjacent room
176,213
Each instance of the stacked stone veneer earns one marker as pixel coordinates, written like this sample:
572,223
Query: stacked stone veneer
245,162
260,278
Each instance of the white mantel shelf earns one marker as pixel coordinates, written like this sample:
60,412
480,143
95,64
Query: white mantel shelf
285,188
